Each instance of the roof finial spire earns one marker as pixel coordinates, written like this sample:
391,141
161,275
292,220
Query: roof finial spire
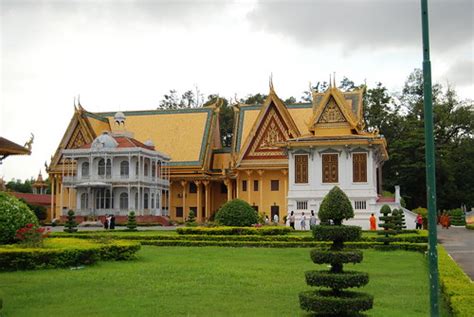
334,79
75,103
79,100
330,81
271,82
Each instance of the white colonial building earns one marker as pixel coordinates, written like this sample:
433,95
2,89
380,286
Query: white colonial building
337,151
116,174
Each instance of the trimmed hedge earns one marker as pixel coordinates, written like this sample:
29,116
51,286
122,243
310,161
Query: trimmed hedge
235,230
63,253
346,279
470,226
456,286
418,247
325,303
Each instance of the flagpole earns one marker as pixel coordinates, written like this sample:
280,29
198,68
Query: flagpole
430,164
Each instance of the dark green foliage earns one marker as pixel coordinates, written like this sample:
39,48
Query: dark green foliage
398,220
335,206
331,233
39,211
457,218
71,224
338,281
329,256
326,303
236,213
387,225
268,230
335,302
131,221
14,215
16,185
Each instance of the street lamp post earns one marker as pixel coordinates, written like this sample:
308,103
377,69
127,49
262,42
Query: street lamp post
430,164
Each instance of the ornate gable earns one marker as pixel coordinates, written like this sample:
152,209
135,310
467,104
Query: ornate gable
331,113
272,130
77,140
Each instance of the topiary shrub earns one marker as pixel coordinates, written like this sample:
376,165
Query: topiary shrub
387,224
236,213
398,220
14,215
131,221
336,301
71,224
456,217
191,222
336,207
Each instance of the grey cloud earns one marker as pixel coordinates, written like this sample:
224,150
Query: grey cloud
461,72
366,24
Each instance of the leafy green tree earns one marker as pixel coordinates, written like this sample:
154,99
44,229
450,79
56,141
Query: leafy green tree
17,185
254,99
236,213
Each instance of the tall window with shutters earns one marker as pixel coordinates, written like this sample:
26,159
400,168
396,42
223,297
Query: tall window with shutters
330,168
301,168
359,167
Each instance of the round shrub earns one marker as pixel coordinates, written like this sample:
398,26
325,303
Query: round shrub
335,206
14,215
236,213
329,256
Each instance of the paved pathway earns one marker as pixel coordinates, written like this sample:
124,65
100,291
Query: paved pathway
459,242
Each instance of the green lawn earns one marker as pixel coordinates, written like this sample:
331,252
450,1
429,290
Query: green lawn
208,281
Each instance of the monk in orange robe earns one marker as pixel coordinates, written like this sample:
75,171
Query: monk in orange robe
373,223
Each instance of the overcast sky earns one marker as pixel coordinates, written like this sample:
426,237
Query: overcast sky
124,55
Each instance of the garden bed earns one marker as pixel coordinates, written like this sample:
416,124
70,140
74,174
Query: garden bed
64,253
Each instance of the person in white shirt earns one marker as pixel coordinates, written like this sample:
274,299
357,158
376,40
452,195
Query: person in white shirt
303,221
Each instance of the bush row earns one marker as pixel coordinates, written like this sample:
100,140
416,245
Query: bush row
14,258
456,286
419,247
266,231
409,238
470,226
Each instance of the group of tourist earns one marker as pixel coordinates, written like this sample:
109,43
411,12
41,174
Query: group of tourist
109,222
312,220
275,220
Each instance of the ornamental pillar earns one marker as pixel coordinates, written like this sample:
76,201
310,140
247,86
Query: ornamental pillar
285,187
249,181
228,184
260,189
206,200
199,209
183,184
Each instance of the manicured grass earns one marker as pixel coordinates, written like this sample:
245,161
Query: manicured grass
209,281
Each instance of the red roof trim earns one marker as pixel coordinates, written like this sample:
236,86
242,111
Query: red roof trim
34,199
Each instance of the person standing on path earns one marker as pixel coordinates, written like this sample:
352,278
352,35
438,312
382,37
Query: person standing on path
106,222
312,220
419,221
292,220
303,221
373,223
275,219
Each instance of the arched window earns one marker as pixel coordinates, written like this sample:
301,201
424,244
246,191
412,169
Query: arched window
152,201
153,170
124,169
108,168
136,169
101,167
85,169
146,169
123,201
145,201
84,201
136,201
